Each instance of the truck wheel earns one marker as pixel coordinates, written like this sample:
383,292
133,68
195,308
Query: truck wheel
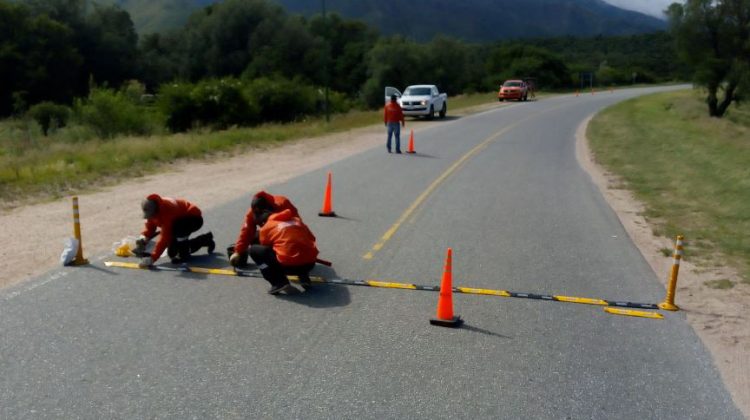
444,110
431,115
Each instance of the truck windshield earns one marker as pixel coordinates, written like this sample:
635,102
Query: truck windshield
418,91
512,84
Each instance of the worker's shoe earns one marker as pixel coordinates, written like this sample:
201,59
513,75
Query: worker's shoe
211,244
304,281
285,288
207,240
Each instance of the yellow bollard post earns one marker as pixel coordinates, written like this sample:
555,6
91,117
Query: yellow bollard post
77,233
668,304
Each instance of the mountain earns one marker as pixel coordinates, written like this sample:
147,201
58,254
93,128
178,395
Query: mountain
488,20
471,20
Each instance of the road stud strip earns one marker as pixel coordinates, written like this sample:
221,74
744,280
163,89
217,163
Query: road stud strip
202,270
473,291
586,301
390,285
394,285
630,312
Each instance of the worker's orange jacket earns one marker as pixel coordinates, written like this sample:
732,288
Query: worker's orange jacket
170,209
292,241
247,233
393,113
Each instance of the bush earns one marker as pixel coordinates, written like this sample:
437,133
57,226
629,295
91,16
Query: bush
283,100
49,115
222,103
212,103
110,113
177,106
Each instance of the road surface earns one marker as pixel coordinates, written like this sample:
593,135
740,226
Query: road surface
502,188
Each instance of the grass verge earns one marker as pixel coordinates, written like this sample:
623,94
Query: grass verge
34,167
691,171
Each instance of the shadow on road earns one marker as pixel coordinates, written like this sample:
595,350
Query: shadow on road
483,331
349,219
423,155
97,268
322,295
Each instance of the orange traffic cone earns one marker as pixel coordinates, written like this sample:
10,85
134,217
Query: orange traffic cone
327,210
411,143
445,316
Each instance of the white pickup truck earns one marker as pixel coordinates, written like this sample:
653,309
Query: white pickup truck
420,100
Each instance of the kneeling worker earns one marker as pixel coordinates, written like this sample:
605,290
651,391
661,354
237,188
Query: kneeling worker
177,219
287,246
261,202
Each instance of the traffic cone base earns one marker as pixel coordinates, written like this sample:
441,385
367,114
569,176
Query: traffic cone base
331,214
455,322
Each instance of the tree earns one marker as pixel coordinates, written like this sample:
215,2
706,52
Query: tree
38,60
713,37
348,42
516,61
113,49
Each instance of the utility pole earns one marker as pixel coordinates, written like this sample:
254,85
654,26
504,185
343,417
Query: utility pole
326,76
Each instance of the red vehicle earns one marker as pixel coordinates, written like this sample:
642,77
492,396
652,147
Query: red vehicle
513,89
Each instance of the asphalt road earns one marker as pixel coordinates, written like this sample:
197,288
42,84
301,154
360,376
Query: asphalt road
519,213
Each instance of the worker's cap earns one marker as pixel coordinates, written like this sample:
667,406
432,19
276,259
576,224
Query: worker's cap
394,97
259,204
149,207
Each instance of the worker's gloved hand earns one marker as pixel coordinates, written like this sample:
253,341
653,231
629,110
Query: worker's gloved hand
140,244
235,260
146,262
141,241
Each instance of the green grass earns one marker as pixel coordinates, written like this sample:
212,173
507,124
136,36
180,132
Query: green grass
34,167
692,171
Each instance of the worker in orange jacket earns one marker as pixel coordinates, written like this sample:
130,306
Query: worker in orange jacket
287,246
177,219
261,202
392,116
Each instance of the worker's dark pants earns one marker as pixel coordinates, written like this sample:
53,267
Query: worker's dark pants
272,270
181,245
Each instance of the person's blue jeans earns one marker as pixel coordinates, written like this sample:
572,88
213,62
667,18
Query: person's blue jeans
394,128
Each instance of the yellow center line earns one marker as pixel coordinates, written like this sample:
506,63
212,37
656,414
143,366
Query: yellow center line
448,172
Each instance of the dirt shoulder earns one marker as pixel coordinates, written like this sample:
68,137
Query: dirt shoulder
719,317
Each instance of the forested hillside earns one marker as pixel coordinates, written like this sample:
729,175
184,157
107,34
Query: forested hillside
488,20
470,20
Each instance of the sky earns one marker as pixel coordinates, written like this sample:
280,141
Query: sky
649,7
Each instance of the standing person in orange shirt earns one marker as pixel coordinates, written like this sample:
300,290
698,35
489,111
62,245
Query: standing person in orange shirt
392,116
177,219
